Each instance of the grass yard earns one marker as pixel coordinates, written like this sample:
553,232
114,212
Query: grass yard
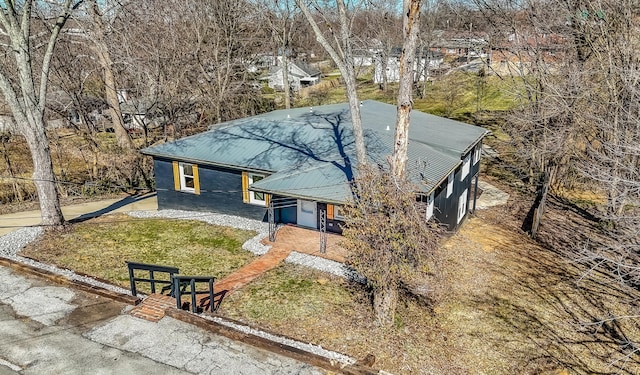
509,306
100,247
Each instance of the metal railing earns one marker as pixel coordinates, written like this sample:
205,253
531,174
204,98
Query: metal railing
180,283
152,280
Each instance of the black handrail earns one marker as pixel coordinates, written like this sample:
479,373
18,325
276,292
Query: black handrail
180,282
152,268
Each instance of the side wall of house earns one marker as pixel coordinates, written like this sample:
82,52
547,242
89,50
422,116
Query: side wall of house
446,208
220,191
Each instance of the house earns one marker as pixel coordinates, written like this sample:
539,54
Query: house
295,166
300,75
467,46
429,61
138,113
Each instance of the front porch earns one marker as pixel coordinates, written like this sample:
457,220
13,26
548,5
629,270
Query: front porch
307,241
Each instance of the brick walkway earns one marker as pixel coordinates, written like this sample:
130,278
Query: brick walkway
153,307
288,239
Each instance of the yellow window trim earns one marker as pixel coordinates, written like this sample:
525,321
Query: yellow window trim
176,175
177,185
196,179
245,187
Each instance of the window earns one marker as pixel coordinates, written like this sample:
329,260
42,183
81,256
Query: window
337,213
450,184
430,206
465,167
254,196
187,180
462,204
476,154
185,177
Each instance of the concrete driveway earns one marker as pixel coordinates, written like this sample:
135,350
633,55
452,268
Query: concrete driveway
49,329
81,211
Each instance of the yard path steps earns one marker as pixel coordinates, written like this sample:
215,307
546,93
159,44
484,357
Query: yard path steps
289,238
153,307
246,274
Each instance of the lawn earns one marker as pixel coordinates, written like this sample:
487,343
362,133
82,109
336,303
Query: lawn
508,306
100,247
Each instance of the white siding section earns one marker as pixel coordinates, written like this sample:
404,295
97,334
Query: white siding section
465,167
452,177
430,206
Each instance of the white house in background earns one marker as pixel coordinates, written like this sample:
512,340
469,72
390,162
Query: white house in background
300,75
432,60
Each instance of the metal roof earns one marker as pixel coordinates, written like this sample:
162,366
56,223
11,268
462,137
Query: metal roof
309,152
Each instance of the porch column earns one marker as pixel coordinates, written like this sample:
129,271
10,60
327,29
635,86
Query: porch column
272,222
323,230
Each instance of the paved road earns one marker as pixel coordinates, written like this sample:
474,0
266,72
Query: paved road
49,329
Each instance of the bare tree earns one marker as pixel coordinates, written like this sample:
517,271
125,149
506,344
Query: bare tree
98,32
411,28
281,17
547,125
72,70
338,44
381,36
25,83
389,241
386,231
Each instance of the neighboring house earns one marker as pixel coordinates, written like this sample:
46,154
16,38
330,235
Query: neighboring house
137,113
465,46
300,75
299,163
429,60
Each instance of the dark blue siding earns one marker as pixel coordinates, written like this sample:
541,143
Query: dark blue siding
220,191
446,209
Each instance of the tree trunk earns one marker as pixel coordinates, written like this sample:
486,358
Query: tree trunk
344,62
17,191
285,80
549,179
110,87
385,301
43,176
28,111
384,62
111,96
411,26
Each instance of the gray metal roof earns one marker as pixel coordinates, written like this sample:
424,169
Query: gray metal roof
309,152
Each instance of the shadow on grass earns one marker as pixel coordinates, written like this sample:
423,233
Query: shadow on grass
112,207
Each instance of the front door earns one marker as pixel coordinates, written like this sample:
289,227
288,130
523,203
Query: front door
307,214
